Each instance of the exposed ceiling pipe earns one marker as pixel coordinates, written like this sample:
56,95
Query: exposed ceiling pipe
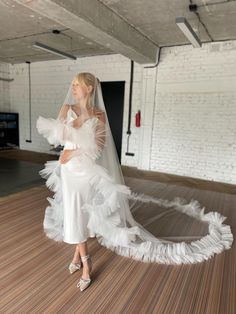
158,59
194,8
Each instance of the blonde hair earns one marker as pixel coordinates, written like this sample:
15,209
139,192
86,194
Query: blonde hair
87,79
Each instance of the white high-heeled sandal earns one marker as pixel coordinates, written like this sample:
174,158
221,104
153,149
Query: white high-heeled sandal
84,283
74,267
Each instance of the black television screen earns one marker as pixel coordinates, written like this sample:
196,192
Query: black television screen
9,129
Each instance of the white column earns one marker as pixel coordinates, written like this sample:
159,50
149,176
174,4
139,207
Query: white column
147,114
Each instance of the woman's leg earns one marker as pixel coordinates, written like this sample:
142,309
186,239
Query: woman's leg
76,258
83,249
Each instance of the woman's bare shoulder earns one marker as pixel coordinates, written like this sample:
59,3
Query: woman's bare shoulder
67,106
100,114
98,110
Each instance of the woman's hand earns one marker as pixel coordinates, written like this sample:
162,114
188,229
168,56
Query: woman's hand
65,156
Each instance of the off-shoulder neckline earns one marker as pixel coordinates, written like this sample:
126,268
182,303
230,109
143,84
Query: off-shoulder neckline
94,117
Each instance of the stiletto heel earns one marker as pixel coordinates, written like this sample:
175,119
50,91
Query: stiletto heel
84,283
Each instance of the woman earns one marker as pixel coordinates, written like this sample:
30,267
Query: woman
78,232
91,198
75,187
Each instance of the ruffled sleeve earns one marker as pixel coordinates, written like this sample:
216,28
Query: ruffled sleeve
52,129
90,138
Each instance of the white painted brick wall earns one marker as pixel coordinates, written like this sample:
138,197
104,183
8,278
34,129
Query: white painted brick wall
4,88
50,82
188,107
194,129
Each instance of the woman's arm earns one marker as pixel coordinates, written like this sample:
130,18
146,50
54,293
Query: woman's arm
54,130
101,130
99,140
90,139
66,155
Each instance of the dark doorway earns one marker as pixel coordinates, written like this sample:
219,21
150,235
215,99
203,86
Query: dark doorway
113,95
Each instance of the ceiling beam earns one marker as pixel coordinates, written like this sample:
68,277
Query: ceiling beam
94,20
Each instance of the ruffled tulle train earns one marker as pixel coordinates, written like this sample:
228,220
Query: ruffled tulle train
114,227
133,241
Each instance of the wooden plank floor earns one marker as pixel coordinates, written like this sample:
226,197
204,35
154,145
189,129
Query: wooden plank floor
34,276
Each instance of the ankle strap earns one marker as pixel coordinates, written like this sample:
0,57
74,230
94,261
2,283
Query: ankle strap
84,258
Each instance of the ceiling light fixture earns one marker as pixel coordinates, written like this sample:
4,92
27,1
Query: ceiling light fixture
54,51
188,31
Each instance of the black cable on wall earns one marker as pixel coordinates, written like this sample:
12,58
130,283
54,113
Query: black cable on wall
130,107
29,73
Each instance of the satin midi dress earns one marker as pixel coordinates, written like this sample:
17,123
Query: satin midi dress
75,193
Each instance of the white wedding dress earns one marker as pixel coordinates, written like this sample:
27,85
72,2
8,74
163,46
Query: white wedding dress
88,203
75,191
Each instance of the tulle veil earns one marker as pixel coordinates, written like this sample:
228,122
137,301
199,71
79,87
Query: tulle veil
141,244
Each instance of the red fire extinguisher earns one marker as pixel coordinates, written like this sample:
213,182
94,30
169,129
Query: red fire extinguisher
138,119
